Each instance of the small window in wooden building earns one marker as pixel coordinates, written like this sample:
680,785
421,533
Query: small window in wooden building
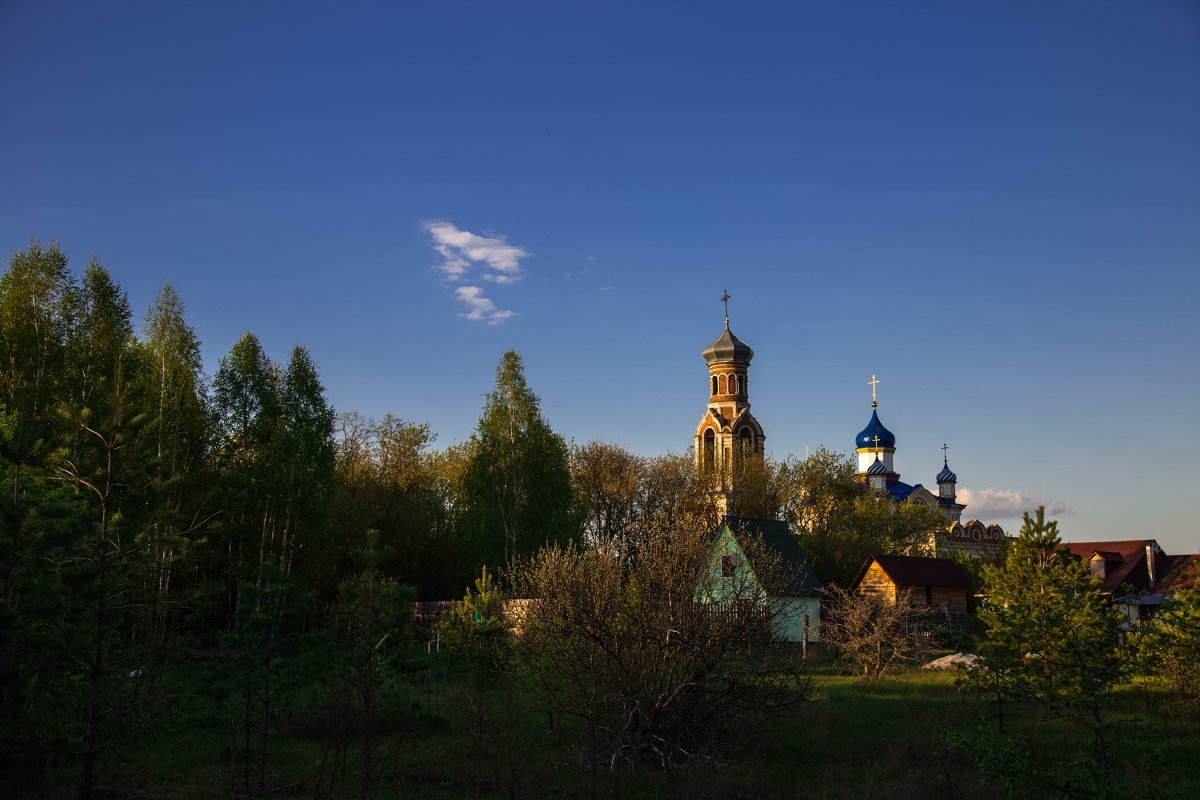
728,567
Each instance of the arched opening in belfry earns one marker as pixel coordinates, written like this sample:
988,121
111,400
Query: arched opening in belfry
709,456
714,380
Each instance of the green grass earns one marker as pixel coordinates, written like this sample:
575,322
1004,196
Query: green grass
440,739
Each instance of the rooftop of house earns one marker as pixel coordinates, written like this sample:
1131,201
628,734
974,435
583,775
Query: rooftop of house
917,571
776,535
1125,563
1183,572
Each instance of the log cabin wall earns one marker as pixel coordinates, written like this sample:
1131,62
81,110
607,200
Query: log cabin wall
934,597
877,582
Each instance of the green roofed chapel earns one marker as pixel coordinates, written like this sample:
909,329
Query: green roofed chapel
759,561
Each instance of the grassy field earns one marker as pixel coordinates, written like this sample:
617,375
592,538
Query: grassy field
438,736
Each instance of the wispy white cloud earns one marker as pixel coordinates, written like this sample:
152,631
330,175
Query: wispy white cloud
993,503
480,307
460,250
462,253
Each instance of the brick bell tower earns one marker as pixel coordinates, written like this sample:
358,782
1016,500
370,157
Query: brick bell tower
727,430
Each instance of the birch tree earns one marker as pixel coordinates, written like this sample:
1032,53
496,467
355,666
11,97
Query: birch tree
517,487
180,436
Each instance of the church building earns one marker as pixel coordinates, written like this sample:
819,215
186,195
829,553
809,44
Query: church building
876,447
727,429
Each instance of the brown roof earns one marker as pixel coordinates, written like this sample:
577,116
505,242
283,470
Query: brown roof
1183,572
916,571
1124,561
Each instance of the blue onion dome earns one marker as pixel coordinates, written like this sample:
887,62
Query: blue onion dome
866,437
877,468
728,348
946,475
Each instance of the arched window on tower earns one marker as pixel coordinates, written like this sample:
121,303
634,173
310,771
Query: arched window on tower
709,460
714,379
724,384
747,441
739,383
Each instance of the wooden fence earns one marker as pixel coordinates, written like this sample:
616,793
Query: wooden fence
426,616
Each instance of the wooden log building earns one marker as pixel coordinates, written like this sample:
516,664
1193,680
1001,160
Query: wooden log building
935,584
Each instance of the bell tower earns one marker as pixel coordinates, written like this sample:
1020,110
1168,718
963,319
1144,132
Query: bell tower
727,430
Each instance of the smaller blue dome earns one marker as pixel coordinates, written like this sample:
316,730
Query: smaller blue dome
877,468
866,437
946,476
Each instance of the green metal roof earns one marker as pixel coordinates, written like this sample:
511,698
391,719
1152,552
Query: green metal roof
776,535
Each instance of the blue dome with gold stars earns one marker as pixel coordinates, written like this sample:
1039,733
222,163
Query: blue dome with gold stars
866,437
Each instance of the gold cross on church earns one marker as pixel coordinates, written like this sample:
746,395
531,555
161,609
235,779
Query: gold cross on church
945,447
874,382
725,299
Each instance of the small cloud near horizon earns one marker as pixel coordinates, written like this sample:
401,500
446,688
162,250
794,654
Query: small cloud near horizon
495,259
993,503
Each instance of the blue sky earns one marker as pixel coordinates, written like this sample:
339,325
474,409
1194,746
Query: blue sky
995,207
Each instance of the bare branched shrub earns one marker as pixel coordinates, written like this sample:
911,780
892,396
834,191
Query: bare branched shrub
870,632
661,658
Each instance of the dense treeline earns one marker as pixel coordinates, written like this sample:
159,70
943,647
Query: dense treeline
168,538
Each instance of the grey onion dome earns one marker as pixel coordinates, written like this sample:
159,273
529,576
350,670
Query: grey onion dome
877,468
946,475
727,348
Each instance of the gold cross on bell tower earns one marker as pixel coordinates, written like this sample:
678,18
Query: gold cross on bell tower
725,299
874,382
945,447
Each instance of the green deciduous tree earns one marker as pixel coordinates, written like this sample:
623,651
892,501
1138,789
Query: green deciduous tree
661,658
1170,643
389,480
181,432
307,462
517,486
607,479
761,484
840,522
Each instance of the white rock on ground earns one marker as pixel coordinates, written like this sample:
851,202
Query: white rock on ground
956,661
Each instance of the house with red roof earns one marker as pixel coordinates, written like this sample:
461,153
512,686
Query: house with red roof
1135,574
